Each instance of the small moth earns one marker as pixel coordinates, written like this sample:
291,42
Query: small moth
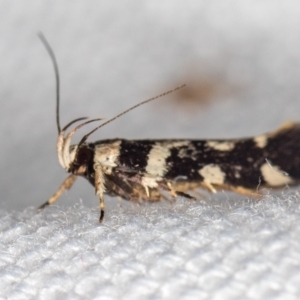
148,169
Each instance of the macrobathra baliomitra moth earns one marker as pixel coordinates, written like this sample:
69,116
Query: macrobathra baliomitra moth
149,169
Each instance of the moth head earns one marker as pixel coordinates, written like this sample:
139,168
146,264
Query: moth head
81,159
69,155
74,159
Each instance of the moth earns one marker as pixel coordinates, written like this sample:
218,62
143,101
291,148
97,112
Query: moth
138,170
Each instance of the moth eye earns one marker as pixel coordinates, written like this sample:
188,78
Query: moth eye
83,156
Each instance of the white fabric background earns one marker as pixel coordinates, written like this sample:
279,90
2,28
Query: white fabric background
112,55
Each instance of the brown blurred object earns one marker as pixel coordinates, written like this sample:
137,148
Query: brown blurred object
201,91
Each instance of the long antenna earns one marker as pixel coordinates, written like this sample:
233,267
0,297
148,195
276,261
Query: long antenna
53,59
128,110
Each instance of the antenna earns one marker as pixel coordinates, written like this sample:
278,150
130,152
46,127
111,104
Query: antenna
53,59
55,66
128,110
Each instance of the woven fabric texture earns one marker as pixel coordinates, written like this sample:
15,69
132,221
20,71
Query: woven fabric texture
238,250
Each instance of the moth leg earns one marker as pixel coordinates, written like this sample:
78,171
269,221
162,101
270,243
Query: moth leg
246,192
100,189
210,187
200,195
102,207
175,193
171,190
66,185
185,195
147,191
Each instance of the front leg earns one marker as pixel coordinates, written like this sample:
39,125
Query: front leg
66,185
100,188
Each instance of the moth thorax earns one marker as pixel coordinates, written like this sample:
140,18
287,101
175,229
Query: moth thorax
83,161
